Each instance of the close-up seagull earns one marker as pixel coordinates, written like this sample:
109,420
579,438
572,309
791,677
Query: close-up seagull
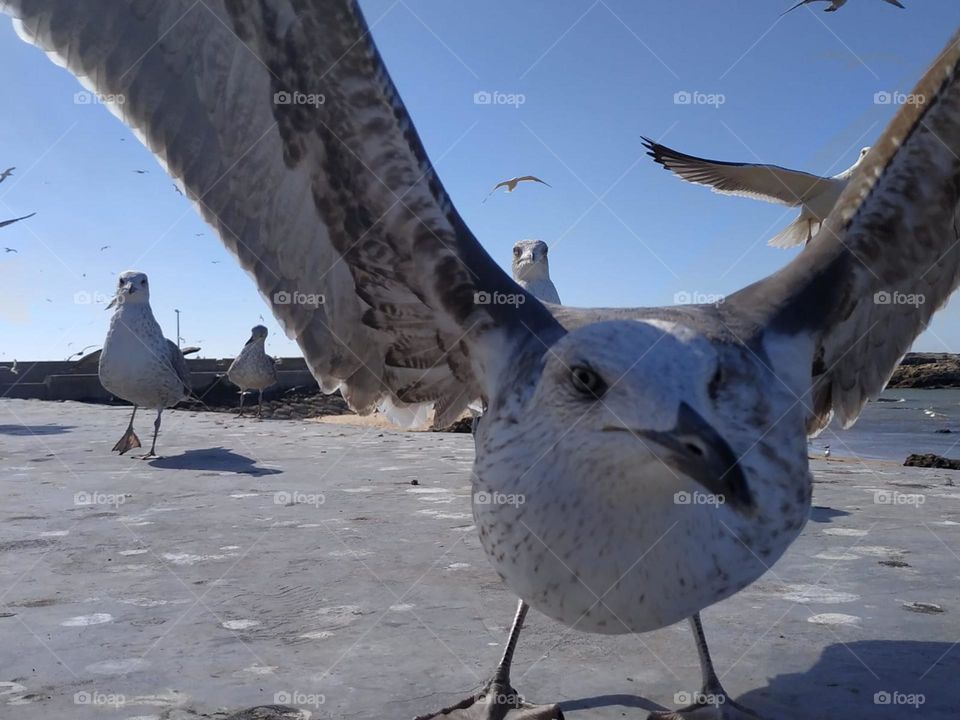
253,369
599,418
512,183
4,223
531,270
138,364
815,195
837,4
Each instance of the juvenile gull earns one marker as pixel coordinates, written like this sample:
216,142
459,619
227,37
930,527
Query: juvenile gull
813,194
531,270
138,364
599,418
253,369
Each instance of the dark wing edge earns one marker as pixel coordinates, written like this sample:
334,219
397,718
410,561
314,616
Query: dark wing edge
330,204
886,259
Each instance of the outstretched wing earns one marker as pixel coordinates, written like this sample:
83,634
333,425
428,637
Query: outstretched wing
281,123
764,182
886,259
4,223
533,178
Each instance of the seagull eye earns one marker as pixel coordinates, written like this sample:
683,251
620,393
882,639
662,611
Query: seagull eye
587,382
516,252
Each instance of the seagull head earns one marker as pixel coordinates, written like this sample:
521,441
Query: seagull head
530,260
258,332
132,289
639,394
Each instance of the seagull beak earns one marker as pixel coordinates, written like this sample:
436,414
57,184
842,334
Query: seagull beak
526,257
112,302
694,449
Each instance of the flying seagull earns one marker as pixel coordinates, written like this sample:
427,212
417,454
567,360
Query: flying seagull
138,364
600,418
531,271
141,172
179,191
7,173
837,4
104,247
512,183
253,369
813,194
4,223
12,250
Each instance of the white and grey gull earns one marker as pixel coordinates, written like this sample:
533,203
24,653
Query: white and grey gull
253,369
531,270
598,417
137,363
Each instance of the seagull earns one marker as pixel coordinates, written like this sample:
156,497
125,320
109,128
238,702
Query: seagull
634,465
14,368
531,271
253,369
103,247
179,191
4,223
837,4
12,250
813,194
7,173
141,172
512,183
138,364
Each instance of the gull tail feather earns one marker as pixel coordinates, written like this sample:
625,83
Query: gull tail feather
796,233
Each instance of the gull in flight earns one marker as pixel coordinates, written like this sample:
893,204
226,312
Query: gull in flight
837,4
7,173
661,452
253,369
12,250
512,183
531,270
138,364
813,194
4,223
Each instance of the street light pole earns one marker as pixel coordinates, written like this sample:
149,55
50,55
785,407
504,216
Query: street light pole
178,326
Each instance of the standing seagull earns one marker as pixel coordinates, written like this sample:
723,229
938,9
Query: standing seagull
531,270
599,418
837,4
138,364
512,183
813,194
253,369
7,173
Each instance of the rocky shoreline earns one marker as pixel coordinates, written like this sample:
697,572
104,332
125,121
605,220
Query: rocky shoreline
927,370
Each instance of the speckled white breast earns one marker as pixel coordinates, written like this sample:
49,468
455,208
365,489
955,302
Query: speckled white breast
253,369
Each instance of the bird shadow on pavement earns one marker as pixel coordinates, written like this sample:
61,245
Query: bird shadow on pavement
35,429
823,514
213,459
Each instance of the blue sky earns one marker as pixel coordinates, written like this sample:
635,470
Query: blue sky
798,91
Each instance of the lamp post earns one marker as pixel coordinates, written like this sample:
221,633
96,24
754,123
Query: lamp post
178,326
